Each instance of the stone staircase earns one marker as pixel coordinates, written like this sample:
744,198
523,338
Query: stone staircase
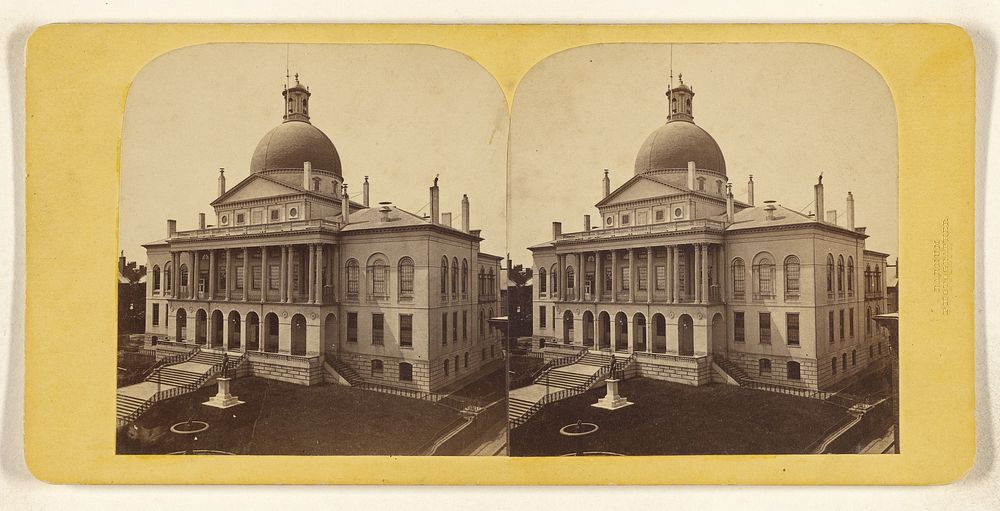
125,405
345,370
208,357
562,379
172,376
516,407
597,358
730,368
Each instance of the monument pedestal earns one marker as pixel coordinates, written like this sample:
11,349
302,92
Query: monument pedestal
223,399
612,400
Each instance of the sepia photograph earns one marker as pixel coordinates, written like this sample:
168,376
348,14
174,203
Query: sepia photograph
709,234
311,240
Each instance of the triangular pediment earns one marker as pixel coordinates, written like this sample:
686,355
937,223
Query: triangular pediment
255,187
639,188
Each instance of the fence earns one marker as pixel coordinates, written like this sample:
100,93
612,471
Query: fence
165,361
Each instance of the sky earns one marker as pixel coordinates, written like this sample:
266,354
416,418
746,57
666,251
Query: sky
782,112
400,114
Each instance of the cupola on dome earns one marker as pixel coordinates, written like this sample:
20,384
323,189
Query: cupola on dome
295,141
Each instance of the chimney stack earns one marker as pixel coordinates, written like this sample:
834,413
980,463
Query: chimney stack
345,206
171,228
607,183
307,171
121,261
730,208
384,212
201,220
446,219
819,199
364,192
769,211
556,230
222,181
435,207
850,211
691,172
831,216
465,213
750,191
586,223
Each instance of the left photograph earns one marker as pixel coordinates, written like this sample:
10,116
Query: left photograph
311,260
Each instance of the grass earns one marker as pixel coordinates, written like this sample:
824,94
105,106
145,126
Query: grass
670,418
288,419
491,386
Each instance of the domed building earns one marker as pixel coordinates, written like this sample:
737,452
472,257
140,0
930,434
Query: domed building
292,280
683,282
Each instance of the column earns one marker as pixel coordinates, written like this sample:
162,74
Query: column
650,279
211,274
723,273
631,275
246,276
676,255
290,276
175,270
598,278
310,273
282,276
338,271
697,273
229,273
614,276
704,273
669,272
319,273
263,274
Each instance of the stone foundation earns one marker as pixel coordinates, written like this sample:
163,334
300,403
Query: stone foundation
286,368
686,370
750,364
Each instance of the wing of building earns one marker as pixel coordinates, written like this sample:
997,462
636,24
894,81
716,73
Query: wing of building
303,279
704,287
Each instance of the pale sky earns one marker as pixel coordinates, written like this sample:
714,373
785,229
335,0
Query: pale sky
782,112
398,114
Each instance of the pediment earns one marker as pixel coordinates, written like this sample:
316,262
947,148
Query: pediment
639,188
255,187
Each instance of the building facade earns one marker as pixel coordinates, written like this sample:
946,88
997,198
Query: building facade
693,281
300,277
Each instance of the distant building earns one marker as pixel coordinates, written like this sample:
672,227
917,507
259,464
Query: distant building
131,297
695,282
296,274
516,300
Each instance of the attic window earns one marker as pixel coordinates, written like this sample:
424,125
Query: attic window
275,215
625,219
224,219
316,184
292,213
240,218
659,215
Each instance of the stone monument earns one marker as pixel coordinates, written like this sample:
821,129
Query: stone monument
612,400
224,399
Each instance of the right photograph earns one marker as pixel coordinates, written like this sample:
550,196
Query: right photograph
703,253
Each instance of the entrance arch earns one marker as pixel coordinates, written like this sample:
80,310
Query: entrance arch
298,334
720,337
588,328
639,332
181,323
604,329
659,333
271,333
685,335
568,327
217,329
233,343
253,332
621,331
200,327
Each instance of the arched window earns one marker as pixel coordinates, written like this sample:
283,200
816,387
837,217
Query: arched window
377,367
850,276
829,273
491,283
791,276
542,283
793,370
854,357
739,278
868,278
353,271
167,271
465,278
878,281
405,371
447,363
840,274
454,277
466,359
764,366
833,365
554,277
444,276
843,361
482,282
156,278
378,280
764,277
183,277
406,277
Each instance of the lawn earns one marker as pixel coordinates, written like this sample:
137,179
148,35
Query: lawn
282,418
491,387
522,367
670,418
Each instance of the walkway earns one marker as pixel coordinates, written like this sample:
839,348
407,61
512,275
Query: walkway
555,380
189,373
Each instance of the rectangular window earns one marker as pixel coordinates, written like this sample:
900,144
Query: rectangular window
352,327
661,278
255,278
739,334
295,277
380,280
444,328
241,218
792,318
851,322
406,330
658,215
765,327
454,326
624,219
608,273
830,325
378,328
541,317
239,277
273,276
465,325
643,278
275,214
221,284
625,280
406,279
841,324
156,314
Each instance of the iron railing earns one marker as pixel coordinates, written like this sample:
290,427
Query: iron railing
151,370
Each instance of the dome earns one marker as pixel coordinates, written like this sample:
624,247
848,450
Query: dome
293,143
676,143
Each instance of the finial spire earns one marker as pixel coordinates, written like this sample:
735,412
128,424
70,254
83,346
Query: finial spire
296,101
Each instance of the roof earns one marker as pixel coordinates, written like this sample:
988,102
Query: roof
292,143
676,143
755,217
